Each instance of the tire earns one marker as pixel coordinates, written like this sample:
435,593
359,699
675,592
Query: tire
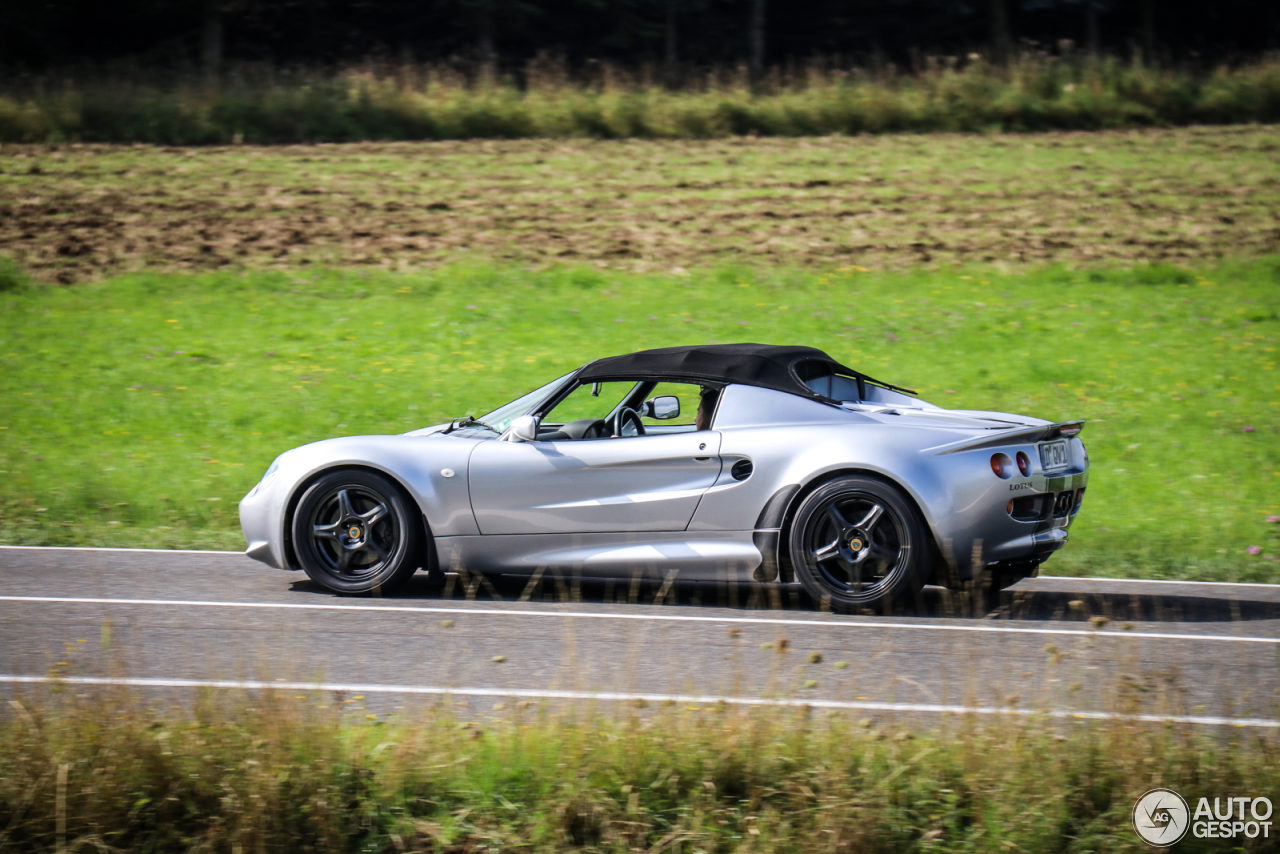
857,544
345,544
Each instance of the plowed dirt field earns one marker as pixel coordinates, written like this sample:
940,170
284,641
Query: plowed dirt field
73,213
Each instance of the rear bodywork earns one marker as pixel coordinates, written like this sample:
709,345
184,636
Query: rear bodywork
713,504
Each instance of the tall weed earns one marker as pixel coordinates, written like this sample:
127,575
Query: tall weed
275,772
381,102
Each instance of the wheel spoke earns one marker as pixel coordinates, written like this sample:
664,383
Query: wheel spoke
869,521
827,552
373,516
327,532
345,510
344,558
837,519
879,552
374,546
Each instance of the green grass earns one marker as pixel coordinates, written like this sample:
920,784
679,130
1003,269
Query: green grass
410,103
236,773
138,410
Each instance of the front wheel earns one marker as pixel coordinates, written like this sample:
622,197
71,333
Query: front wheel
356,532
857,543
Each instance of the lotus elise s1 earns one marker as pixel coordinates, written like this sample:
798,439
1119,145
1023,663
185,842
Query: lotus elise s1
721,462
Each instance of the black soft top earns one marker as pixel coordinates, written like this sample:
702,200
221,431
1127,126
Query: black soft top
780,367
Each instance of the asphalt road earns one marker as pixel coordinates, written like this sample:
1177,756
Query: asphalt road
171,621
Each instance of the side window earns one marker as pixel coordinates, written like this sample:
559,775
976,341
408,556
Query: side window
582,403
834,386
687,393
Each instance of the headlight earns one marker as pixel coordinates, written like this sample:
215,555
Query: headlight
266,477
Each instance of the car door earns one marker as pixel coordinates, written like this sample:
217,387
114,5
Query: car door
637,483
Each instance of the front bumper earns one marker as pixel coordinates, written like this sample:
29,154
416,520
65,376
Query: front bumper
261,550
261,524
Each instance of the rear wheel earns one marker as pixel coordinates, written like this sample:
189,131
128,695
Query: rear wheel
857,543
356,532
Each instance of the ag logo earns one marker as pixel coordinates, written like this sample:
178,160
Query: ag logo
1161,817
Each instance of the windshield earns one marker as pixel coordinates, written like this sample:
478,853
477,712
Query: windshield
500,419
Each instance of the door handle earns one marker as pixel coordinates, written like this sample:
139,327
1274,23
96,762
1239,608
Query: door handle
701,459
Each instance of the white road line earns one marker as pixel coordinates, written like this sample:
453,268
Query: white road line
675,618
1046,577
613,696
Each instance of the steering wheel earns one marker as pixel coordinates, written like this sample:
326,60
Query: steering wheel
626,423
584,428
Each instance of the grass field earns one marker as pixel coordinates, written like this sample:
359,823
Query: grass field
138,410
312,773
1190,196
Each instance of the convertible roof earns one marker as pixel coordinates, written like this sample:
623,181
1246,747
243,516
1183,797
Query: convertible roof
784,368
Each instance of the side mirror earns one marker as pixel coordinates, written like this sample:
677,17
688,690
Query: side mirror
524,429
662,408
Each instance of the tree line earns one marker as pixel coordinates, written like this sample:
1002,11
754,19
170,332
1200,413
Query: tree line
659,33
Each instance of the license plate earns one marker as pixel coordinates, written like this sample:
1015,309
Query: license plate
1053,455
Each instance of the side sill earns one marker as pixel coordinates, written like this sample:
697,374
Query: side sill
767,544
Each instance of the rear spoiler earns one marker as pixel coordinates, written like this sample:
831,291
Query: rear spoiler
1016,436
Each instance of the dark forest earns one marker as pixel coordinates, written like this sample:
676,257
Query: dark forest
53,34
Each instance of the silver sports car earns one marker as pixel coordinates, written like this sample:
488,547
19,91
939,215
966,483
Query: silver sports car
722,462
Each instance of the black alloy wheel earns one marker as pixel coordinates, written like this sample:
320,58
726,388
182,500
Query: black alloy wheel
356,532
857,543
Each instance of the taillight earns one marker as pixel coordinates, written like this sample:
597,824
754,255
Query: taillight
1024,464
1002,466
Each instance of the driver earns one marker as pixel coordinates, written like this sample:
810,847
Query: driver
706,408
